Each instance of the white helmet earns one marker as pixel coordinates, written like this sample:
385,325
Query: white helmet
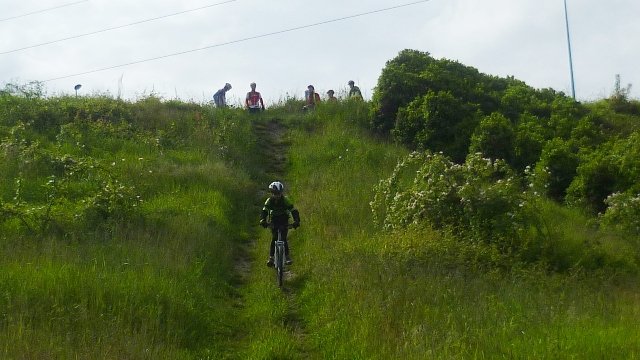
276,187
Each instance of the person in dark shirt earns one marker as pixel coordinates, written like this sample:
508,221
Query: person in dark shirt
354,91
276,212
331,97
220,97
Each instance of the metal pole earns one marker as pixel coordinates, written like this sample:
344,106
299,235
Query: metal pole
566,19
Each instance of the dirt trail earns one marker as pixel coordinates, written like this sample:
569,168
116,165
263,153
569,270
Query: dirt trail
272,139
269,135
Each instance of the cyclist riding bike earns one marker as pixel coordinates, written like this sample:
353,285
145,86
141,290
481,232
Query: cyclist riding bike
277,211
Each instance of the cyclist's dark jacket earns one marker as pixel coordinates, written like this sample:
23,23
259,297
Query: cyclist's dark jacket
278,210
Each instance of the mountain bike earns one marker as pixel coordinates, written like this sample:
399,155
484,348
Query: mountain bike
278,255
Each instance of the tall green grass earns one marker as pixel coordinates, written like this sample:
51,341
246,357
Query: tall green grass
423,294
105,280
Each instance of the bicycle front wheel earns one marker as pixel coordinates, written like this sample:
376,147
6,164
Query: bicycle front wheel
280,266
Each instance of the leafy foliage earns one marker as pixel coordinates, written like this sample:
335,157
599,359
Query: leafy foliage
612,168
623,212
529,139
436,121
556,168
399,83
443,102
494,138
481,198
484,201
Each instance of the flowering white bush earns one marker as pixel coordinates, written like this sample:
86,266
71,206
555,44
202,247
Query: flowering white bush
623,212
482,199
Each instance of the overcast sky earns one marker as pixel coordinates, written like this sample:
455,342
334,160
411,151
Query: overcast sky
523,38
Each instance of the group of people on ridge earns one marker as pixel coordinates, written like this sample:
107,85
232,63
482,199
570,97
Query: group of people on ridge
254,103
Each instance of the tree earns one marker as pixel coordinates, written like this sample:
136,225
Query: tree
565,113
528,142
399,83
556,168
611,168
494,138
520,98
437,122
619,99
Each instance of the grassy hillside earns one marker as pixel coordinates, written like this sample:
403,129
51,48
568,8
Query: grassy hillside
121,226
129,230
419,293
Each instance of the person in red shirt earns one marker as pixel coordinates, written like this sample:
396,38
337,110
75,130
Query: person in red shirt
254,100
312,98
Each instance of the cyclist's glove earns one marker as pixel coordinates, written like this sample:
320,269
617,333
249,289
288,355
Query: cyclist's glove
263,223
296,224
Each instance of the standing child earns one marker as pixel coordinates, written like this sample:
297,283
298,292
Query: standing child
253,101
312,98
276,211
331,97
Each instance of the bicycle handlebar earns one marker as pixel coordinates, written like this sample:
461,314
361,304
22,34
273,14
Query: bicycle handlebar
288,226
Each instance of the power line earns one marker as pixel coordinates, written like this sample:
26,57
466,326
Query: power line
115,27
43,10
240,40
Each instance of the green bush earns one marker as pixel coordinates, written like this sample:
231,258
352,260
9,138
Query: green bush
436,104
437,122
623,212
485,205
494,138
612,167
565,113
480,199
589,132
518,98
529,139
556,168
399,83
